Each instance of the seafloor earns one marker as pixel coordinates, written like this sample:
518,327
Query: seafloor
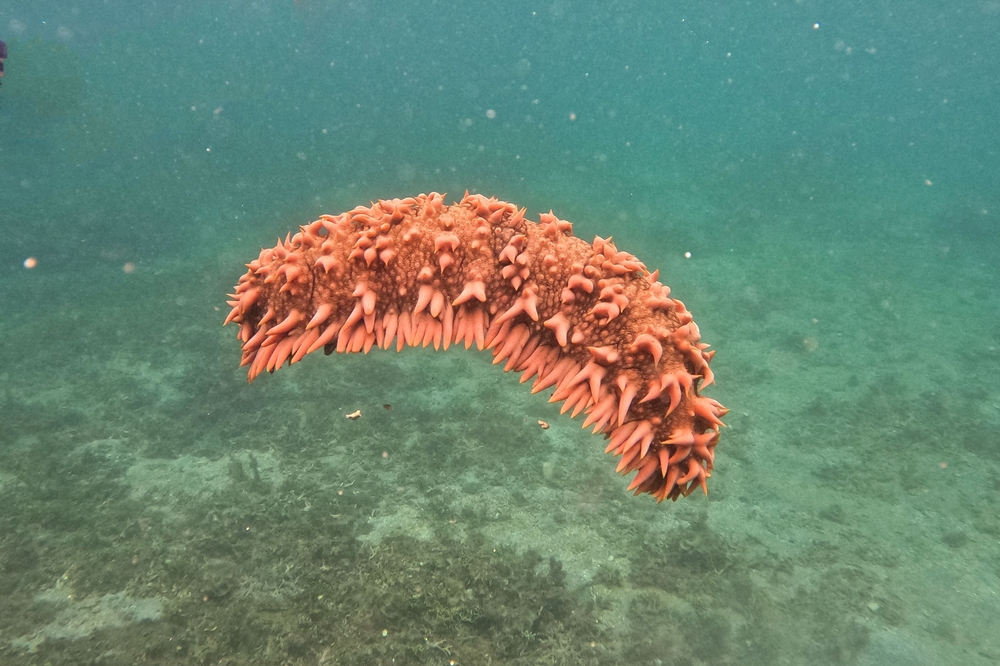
157,509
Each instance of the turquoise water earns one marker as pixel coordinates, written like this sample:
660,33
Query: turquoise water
831,169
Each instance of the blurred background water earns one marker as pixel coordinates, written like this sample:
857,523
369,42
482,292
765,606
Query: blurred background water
831,167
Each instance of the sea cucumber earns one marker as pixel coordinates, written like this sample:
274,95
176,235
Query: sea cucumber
585,318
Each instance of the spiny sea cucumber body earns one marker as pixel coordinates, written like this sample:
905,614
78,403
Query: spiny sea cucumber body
585,318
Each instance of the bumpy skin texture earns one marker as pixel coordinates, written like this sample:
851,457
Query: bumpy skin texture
582,317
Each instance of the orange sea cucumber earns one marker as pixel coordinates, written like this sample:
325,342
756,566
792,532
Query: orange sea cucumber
585,318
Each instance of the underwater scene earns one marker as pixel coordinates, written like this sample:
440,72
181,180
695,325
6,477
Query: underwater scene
810,188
